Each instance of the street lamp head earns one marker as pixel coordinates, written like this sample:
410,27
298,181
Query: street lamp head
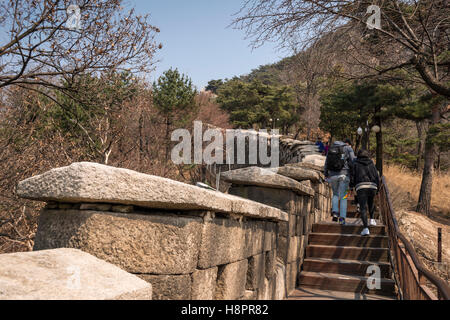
376,129
359,131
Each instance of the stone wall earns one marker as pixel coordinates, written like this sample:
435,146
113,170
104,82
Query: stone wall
188,242
299,192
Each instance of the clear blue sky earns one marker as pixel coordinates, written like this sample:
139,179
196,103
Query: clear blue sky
197,41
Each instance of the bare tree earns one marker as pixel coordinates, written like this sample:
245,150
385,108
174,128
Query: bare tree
41,48
414,33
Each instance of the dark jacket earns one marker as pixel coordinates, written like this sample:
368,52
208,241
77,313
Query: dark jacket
349,158
364,174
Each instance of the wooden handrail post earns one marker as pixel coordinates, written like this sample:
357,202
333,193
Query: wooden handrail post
439,251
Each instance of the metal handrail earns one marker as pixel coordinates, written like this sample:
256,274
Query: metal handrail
410,273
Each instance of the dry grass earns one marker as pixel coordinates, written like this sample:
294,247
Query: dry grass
404,186
421,231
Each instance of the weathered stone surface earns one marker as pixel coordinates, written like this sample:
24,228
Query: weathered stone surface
291,274
306,183
299,226
270,236
231,281
299,205
270,257
257,176
307,205
254,237
283,229
66,274
249,295
277,198
91,182
292,224
306,219
309,166
265,292
169,287
301,248
157,244
282,248
299,174
293,249
315,159
280,283
204,284
256,271
223,241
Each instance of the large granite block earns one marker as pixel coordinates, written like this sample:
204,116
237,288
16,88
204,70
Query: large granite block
256,272
204,284
137,243
222,242
231,281
256,176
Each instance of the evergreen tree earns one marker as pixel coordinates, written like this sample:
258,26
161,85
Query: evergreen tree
173,96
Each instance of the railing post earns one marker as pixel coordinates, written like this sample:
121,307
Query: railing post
439,254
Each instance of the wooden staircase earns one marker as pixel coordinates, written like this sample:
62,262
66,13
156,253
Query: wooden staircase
337,259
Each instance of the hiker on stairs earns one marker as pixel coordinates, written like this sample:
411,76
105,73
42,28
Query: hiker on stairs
366,181
337,171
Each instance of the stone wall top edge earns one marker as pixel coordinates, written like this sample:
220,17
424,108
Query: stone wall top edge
92,182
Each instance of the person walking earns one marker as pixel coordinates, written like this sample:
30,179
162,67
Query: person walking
366,181
319,144
338,164
327,147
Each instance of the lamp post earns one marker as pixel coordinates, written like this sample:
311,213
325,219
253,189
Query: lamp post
377,130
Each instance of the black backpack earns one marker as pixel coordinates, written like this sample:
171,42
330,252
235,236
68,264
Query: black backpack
336,158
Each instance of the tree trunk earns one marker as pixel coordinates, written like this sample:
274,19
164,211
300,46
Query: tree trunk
421,129
379,136
424,204
141,137
167,138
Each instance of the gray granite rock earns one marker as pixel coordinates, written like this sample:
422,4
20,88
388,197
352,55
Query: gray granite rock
66,274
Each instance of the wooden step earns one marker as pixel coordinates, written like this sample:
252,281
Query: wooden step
305,293
352,213
347,283
353,240
342,266
346,252
349,228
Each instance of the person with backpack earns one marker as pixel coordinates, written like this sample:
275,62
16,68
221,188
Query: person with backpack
338,164
366,181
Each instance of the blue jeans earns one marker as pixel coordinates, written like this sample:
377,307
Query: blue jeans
340,184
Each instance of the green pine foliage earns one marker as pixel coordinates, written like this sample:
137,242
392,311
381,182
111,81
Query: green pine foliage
173,96
255,104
